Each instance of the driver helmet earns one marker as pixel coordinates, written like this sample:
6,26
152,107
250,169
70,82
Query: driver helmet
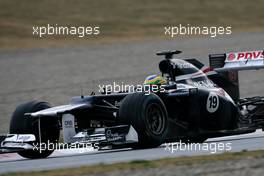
155,80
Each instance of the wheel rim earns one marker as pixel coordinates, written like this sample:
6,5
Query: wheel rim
155,119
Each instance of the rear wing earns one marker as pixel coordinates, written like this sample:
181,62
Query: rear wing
227,66
249,60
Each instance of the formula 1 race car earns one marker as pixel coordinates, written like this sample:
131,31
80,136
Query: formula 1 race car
196,103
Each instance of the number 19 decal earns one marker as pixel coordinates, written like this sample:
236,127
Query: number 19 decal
212,102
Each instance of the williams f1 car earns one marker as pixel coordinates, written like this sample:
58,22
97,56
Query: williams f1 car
198,102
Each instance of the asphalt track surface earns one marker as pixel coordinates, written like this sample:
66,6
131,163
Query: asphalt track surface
64,159
57,74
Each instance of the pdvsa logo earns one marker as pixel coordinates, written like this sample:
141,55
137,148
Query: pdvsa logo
231,57
249,55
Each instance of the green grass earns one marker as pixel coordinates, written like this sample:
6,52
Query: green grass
142,164
120,19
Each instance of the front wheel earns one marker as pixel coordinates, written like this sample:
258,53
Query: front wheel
148,115
21,125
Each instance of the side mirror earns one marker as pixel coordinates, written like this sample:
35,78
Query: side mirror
168,54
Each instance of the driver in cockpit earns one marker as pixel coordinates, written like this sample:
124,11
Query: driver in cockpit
155,80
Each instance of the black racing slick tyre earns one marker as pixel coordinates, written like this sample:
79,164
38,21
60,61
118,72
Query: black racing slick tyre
148,115
20,124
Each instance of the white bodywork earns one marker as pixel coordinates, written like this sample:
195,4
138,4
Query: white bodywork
56,110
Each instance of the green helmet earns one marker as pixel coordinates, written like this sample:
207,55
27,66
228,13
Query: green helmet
155,80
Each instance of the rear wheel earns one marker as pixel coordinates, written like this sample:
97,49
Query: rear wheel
22,125
148,115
